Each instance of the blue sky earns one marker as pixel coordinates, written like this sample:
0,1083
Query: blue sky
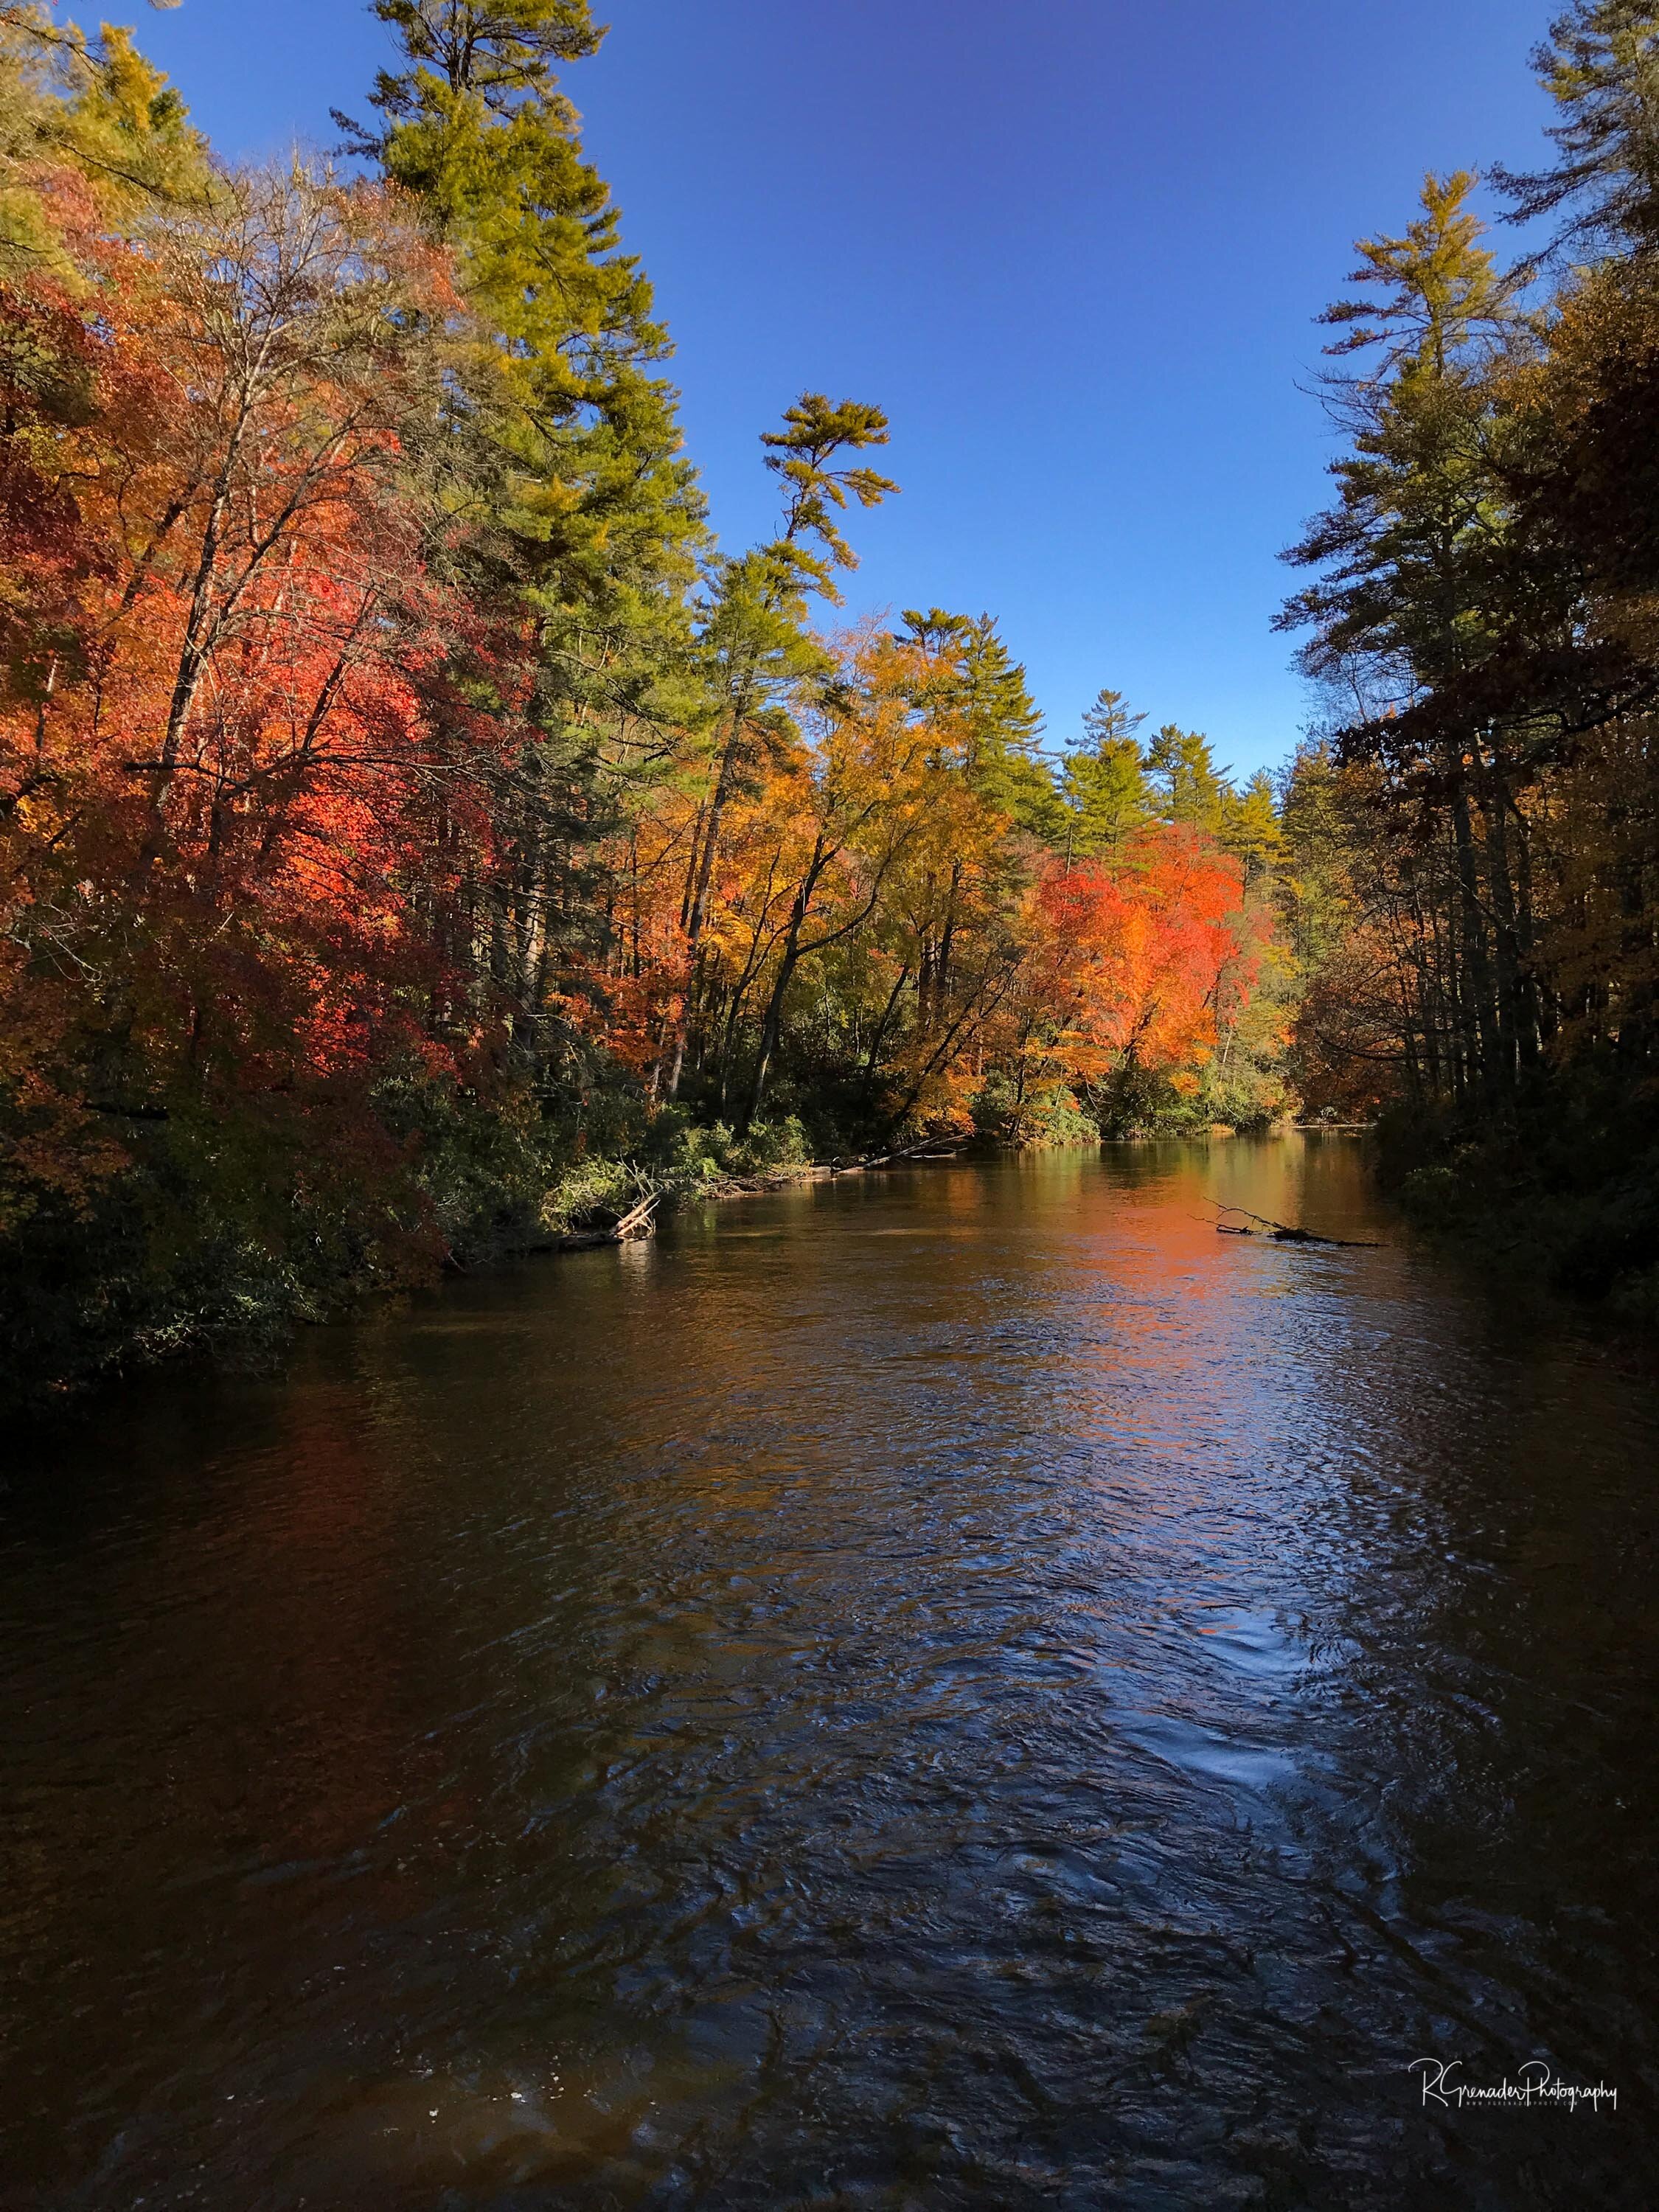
1074,248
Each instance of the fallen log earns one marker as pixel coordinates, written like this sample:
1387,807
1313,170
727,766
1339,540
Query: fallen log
639,1222
1278,1233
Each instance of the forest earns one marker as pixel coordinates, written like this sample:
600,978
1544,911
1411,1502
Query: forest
420,836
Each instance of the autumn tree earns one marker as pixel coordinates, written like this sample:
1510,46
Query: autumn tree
755,643
1404,608
399,798
1117,992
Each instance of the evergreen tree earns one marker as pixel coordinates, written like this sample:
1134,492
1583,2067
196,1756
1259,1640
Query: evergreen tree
1250,829
1412,554
600,502
582,519
1441,288
987,688
1190,788
1407,549
1108,797
97,105
1601,66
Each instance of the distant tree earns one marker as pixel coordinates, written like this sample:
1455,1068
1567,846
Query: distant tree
1108,797
1190,789
987,688
1250,828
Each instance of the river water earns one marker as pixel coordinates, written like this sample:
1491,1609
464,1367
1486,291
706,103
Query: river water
958,1688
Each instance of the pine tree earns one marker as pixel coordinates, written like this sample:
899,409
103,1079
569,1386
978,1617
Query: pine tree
94,106
581,511
1601,66
601,503
1412,554
1191,790
1108,797
988,691
1442,288
1250,829
1405,548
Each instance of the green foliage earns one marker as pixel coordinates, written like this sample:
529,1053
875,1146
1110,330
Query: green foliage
96,106
223,1229
1407,553
766,1147
1004,1112
505,52
1112,788
755,631
590,1194
1107,792
1250,828
599,503
1441,287
1190,788
128,127
1564,1201
815,432
980,681
1601,66
1317,845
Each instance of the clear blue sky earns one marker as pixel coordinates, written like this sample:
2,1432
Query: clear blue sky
1074,248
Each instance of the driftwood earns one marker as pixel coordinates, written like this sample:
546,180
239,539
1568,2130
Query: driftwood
929,1149
758,1186
639,1222
1277,1233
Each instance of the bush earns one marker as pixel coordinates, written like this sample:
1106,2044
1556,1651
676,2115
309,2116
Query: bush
1570,1185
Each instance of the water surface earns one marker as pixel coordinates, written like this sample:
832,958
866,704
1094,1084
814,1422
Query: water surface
954,1689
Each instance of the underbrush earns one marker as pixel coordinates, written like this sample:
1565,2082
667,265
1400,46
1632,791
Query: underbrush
1564,1197
223,1231
1138,1102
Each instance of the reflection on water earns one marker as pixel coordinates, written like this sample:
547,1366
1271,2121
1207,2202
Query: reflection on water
955,1688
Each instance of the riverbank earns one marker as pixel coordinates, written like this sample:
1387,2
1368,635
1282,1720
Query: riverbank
169,1263
164,1272
651,1199
1563,1200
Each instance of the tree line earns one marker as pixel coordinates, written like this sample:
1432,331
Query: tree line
1476,824
417,830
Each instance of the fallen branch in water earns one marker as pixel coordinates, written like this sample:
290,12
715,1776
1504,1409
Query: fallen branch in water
1280,1233
639,1222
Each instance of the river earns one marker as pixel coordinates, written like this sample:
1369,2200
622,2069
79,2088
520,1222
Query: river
954,1687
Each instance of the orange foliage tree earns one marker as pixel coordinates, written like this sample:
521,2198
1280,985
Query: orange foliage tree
239,770
1124,966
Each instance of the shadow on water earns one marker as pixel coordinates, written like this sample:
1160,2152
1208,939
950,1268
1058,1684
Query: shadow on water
960,1688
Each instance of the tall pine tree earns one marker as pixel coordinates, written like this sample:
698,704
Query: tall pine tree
585,513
